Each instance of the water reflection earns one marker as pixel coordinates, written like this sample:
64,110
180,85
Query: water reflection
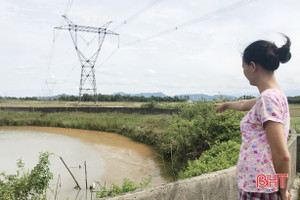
109,157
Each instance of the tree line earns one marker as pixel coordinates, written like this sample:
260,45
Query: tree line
291,100
20,98
295,99
102,97
127,98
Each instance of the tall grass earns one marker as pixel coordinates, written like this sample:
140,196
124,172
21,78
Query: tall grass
295,124
295,110
56,103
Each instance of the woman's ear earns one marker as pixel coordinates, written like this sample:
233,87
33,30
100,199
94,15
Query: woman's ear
253,66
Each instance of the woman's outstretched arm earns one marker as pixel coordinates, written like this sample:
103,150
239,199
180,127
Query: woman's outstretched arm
242,105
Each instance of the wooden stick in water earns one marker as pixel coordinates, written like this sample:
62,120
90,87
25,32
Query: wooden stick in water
70,172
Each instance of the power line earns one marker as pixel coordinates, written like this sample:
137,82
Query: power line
148,6
130,18
55,35
68,7
226,9
108,57
215,13
153,3
220,11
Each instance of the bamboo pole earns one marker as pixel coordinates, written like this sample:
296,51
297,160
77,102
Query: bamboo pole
70,172
86,186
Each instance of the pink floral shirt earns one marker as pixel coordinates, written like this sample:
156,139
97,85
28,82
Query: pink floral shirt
255,154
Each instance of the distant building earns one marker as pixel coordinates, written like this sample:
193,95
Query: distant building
189,101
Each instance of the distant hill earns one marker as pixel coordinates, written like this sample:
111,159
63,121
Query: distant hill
197,97
193,97
53,97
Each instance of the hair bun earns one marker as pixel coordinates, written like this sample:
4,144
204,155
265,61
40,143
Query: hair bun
284,54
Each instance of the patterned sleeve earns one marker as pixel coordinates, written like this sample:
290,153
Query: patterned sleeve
269,109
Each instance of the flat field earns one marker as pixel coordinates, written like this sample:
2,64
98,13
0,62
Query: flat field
295,116
295,110
22,103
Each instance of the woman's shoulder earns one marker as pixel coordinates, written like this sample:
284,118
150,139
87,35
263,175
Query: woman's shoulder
273,96
272,93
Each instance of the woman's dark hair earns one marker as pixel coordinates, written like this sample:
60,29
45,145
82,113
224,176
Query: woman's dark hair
267,54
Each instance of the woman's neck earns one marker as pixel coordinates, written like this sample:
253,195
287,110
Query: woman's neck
267,82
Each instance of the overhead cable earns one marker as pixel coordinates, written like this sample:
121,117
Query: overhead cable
148,6
68,7
226,9
55,35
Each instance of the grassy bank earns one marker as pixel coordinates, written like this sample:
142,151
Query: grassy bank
295,110
110,122
177,138
56,103
196,133
295,123
295,116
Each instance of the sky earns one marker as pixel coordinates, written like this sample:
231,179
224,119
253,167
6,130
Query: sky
169,46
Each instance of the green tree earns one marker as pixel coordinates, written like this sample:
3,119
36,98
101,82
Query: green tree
27,185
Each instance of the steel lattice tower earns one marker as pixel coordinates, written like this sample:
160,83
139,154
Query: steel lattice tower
87,63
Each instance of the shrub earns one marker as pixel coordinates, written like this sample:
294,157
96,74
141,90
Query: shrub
127,186
196,129
220,156
27,185
150,105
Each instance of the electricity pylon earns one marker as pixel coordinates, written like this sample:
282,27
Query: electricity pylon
87,63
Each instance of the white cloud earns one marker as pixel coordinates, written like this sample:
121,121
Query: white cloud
151,71
23,67
201,58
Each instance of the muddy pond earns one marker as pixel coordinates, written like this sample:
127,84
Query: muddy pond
109,157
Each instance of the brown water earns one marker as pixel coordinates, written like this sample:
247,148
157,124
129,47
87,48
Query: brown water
110,157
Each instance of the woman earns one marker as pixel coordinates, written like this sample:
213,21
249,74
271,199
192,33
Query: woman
265,127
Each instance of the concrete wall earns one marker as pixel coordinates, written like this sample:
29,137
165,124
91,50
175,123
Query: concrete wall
220,185
292,144
91,110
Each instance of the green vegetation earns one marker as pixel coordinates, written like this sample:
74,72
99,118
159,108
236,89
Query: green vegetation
109,98
127,186
125,98
295,116
246,97
220,156
27,185
295,110
197,140
129,98
295,124
56,103
294,100
176,138
196,129
150,105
